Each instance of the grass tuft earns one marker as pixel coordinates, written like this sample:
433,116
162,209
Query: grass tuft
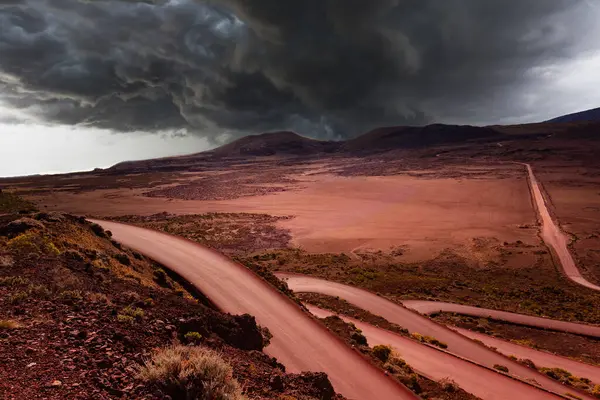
6,324
194,372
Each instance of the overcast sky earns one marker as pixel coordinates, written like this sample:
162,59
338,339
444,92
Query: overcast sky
86,84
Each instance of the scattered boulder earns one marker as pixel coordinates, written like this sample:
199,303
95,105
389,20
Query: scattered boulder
239,331
51,216
276,383
316,384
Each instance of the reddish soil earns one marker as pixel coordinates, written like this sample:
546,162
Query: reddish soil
577,347
482,382
299,342
69,295
573,200
231,234
415,323
395,366
334,213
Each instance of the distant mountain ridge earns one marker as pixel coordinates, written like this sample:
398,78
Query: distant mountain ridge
394,137
582,116
275,143
380,139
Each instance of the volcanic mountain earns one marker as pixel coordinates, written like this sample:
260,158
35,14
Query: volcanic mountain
389,138
588,115
275,143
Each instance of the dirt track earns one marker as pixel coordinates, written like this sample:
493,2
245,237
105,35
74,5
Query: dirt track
540,358
299,342
431,307
457,344
554,237
438,365
302,344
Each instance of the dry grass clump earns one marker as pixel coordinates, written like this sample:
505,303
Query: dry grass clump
6,324
382,352
191,372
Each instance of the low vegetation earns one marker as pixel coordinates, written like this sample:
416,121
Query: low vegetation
578,347
193,337
538,289
382,352
567,378
389,360
191,372
428,339
10,202
234,234
502,368
62,281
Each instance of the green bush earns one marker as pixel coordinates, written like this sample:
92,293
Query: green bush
125,319
133,312
382,352
71,295
193,337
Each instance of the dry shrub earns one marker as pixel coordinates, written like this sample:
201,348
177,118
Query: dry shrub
382,352
6,324
448,385
185,372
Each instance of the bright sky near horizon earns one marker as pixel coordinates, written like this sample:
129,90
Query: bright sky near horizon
89,84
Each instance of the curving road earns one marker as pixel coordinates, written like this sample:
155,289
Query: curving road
553,236
457,344
299,342
438,365
303,344
540,358
432,307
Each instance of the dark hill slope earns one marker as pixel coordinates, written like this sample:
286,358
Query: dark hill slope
390,138
275,143
588,115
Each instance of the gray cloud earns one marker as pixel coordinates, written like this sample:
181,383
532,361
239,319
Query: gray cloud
328,68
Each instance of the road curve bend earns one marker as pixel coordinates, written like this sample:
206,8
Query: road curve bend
539,358
553,236
299,342
432,307
437,365
457,343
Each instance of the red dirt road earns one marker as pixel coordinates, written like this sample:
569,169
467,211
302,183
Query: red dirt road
438,365
554,237
299,342
457,344
540,358
431,307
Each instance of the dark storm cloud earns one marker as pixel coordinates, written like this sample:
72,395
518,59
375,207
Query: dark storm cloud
327,68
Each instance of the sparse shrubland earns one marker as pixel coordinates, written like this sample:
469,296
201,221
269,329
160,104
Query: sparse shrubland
185,372
62,281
